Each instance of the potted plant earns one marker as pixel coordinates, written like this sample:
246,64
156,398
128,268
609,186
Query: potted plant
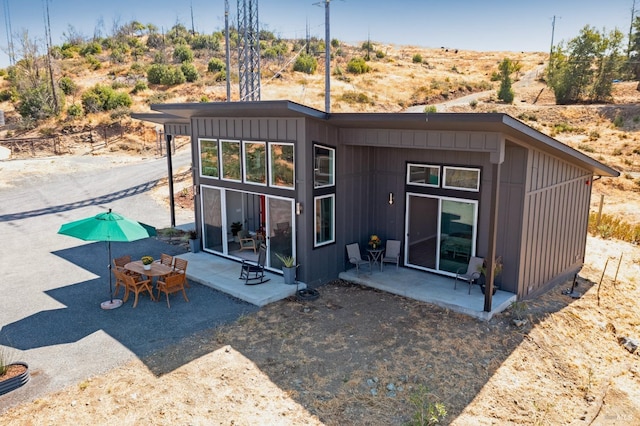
288,268
497,270
146,262
194,241
235,228
375,241
12,374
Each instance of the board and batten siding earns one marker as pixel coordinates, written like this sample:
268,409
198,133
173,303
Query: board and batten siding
555,220
178,129
259,129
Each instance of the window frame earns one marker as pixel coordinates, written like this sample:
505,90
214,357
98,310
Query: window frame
426,166
445,169
221,159
272,169
316,230
332,166
201,168
245,167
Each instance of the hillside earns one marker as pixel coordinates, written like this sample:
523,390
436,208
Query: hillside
396,82
280,366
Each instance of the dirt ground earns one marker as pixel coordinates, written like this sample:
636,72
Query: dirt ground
363,357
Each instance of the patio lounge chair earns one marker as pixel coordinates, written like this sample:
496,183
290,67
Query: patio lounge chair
391,253
253,272
355,258
472,272
246,241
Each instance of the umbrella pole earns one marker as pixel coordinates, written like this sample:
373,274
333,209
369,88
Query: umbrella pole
111,303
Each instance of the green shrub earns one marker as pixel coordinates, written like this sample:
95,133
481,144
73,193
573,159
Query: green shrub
417,58
351,96
140,86
215,65
92,48
380,54
473,104
335,43
67,86
306,63
104,98
74,110
426,412
117,84
156,73
190,72
202,41
93,62
221,76
430,109
183,53
618,121
358,65
175,76
159,97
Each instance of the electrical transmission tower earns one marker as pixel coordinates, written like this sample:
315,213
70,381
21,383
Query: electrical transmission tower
248,50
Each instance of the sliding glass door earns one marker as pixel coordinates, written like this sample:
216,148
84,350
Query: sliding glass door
266,219
441,232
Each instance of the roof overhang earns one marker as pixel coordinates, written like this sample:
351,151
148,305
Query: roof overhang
163,119
275,109
514,130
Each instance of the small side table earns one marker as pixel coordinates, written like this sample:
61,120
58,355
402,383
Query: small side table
376,256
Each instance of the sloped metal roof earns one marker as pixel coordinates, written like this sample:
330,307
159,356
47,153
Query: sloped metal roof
515,130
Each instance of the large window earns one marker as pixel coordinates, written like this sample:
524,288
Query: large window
209,158
462,178
230,160
426,175
282,171
255,162
324,215
323,166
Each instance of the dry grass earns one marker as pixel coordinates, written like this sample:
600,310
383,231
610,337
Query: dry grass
315,362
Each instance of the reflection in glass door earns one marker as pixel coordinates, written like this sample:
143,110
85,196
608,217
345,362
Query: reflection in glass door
441,232
280,230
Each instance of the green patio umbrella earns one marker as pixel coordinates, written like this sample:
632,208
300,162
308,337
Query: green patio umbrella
108,227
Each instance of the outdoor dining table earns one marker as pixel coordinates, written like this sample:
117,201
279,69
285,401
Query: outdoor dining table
156,270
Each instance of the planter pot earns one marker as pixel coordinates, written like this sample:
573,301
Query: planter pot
289,275
146,267
194,245
14,382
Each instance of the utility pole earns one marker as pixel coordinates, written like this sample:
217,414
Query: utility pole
633,17
47,28
193,28
553,30
227,49
7,24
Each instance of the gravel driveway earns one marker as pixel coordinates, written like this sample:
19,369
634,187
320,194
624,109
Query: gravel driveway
52,285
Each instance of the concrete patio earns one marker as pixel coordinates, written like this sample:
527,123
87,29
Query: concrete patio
432,288
222,274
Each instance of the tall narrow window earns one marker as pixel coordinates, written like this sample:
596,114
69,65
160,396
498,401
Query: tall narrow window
209,158
281,167
230,160
323,166
324,214
255,162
